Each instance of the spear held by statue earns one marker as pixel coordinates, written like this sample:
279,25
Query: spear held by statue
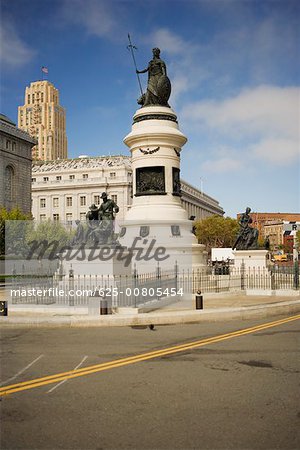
131,48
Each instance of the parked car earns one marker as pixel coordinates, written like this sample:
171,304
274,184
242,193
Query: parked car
280,256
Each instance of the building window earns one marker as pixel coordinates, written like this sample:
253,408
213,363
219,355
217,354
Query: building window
114,198
82,217
82,200
97,199
42,217
7,144
42,203
45,179
56,217
14,146
9,183
85,176
69,218
32,98
112,175
58,178
55,202
42,97
33,180
69,201
71,177
28,98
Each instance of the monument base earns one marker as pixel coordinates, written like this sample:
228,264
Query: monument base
156,220
251,259
96,262
165,244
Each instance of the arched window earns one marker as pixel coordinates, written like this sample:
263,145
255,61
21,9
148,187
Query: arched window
9,184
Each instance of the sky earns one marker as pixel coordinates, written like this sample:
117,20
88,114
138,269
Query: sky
234,69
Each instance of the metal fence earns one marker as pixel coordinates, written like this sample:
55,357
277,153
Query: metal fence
230,278
140,289
119,291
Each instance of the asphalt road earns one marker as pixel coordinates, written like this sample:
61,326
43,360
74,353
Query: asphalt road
234,392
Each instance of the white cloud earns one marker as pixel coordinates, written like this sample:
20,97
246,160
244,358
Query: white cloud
277,151
168,41
264,122
221,165
96,16
261,110
14,52
180,84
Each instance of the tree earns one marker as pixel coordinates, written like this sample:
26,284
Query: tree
297,243
47,238
261,242
12,234
217,231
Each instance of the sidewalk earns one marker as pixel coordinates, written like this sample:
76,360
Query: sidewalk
216,307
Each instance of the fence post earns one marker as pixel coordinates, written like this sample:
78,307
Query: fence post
103,307
199,300
273,287
135,283
157,272
71,286
243,276
158,279
176,275
296,275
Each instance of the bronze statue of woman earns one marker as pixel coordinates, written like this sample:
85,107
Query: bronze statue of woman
159,86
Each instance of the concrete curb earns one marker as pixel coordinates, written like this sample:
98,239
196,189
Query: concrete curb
156,318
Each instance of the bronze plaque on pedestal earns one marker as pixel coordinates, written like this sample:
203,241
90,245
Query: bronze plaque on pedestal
150,181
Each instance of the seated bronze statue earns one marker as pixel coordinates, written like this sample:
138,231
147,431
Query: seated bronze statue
247,236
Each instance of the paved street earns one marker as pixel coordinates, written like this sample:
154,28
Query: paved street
235,391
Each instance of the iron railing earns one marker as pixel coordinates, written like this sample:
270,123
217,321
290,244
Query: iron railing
140,289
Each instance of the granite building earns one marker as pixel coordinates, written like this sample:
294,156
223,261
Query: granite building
15,166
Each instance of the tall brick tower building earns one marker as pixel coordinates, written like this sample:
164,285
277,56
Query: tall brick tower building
44,119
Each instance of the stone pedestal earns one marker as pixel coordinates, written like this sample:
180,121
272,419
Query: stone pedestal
156,214
252,259
98,262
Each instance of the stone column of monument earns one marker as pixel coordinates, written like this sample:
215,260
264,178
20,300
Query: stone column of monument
156,214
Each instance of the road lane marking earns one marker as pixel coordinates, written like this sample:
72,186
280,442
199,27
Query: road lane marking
21,371
64,381
138,358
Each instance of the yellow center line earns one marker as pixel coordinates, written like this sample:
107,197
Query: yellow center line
30,384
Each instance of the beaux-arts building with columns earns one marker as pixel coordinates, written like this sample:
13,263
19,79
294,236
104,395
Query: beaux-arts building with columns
64,189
